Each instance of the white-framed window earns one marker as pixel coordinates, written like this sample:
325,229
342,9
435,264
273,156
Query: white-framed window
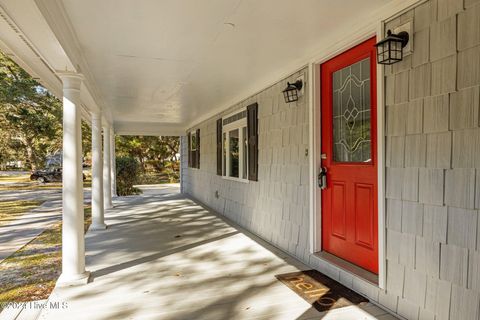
194,149
193,141
235,147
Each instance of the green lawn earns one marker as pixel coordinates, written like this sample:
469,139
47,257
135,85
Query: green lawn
15,178
158,178
31,272
12,209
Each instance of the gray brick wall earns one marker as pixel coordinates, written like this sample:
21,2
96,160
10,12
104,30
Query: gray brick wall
433,151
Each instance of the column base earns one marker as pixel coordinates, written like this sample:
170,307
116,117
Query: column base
73,280
98,226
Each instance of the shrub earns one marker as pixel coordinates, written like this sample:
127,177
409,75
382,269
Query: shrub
127,175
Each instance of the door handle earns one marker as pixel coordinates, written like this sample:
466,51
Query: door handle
322,178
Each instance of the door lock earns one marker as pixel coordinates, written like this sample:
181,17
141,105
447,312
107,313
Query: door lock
322,178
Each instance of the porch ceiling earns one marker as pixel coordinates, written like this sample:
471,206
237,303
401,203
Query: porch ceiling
173,61
169,63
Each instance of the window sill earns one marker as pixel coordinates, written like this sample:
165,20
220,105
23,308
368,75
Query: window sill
235,179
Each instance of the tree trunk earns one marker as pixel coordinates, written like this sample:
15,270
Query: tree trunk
31,157
142,163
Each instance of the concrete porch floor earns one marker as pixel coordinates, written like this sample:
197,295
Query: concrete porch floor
165,257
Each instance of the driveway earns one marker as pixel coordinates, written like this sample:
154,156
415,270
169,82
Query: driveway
29,195
25,227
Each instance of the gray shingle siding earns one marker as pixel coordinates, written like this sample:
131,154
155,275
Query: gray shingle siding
445,150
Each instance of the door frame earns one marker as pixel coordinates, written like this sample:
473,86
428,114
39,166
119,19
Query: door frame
375,27
363,51
315,138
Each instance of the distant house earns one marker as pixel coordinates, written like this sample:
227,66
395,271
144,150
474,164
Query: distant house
54,160
15,164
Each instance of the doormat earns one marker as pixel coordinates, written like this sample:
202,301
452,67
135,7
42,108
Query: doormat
322,292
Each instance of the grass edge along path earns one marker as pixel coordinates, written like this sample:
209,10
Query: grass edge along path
23,183
30,273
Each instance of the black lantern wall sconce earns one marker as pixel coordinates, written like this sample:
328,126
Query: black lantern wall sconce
291,91
390,49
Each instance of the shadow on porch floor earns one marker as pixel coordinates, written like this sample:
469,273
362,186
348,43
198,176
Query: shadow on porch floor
165,257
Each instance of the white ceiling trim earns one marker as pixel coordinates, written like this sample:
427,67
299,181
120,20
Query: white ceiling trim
55,15
20,39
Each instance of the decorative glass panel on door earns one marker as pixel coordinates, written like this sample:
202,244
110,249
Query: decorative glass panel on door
351,113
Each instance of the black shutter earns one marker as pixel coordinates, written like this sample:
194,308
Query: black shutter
252,132
219,147
189,152
197,158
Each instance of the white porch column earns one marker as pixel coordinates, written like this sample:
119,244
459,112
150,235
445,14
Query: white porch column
98,221
73,240
113,164
107,176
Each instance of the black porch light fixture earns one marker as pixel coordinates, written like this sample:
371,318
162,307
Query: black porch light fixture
291,91
390,49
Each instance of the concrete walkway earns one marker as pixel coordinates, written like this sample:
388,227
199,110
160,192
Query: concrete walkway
24,228
30,195
165,257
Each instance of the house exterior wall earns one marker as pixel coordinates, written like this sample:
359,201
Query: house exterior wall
432,152
432,174
277,206
183,163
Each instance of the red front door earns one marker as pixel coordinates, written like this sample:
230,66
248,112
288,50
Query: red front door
349,154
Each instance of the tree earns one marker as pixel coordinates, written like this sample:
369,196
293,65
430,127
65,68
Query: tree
30,115
152,149
127,175
87,141
6,152
30,118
